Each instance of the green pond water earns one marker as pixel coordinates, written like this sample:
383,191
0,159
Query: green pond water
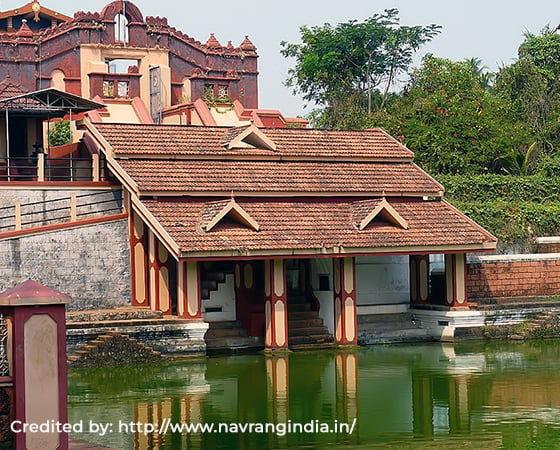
442,396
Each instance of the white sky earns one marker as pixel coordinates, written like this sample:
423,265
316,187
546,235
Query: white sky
489,30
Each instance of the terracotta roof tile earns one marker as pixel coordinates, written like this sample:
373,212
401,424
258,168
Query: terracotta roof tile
278,176
181,141
9,90
314,225
362,208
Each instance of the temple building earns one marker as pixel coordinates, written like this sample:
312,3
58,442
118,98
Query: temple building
142,69
211,210
250,223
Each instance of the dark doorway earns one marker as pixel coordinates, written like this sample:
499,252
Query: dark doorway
18,137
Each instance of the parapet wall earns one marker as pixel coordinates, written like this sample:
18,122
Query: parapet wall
507,276
91,264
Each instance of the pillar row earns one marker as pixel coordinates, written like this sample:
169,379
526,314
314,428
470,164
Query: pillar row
455,280
275,305
188,291
419,279
345,311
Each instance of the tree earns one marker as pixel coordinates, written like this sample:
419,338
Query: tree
532,85
452,123
353,60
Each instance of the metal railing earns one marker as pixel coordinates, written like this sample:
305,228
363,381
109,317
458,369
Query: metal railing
75,207
18,169
42,168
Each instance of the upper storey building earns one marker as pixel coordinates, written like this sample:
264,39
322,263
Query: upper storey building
118,54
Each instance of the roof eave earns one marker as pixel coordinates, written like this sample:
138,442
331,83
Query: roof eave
338,251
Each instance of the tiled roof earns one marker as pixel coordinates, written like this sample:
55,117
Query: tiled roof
315,225
279,176
181,141
9,90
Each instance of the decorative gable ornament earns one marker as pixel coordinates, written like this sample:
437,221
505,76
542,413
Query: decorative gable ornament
381,209
216,211
250,137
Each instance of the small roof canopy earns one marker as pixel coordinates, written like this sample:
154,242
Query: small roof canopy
48,103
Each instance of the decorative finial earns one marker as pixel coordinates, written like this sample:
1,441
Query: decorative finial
36,8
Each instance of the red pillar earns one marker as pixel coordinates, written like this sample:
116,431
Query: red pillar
188,290
419,279
138,260
159,262
456,280
275,305
345,311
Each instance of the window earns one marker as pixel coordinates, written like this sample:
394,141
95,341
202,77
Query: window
121,29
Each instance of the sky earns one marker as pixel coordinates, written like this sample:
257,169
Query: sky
488,30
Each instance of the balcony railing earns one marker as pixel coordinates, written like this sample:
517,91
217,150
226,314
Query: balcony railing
42,168
75,207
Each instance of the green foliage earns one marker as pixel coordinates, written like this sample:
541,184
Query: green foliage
451,120
353,59
511,222
519,162
532,86
484,188
514,209
60,133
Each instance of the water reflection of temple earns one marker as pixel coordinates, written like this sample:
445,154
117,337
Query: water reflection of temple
422,393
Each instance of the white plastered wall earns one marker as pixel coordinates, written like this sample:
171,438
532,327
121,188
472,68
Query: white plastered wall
324,266
383,284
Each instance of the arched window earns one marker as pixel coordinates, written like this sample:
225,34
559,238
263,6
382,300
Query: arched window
121,28
57,80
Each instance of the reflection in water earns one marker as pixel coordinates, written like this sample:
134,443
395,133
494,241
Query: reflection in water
498,395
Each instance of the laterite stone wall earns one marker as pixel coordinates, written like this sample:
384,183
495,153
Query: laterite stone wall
507,276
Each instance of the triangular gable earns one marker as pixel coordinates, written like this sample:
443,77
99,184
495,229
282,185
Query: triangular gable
214,212
366,212
250,137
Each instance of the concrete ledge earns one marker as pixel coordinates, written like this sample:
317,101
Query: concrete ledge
548,240
168,337
528,257
442,325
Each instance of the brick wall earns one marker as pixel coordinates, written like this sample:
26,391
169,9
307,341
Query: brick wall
548,244
504,276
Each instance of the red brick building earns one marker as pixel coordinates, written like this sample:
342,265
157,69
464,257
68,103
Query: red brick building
118,53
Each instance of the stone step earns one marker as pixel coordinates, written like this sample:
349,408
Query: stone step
298,307
310,339
304,347
233,345
308,331
215,333
304,323
102,315
302,315
125,323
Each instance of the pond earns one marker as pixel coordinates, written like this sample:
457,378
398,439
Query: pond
448,396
